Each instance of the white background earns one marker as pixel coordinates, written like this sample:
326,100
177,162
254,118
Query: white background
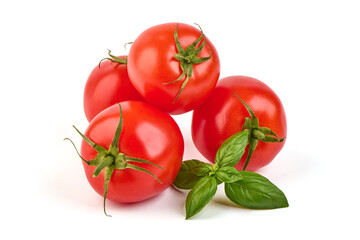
308,52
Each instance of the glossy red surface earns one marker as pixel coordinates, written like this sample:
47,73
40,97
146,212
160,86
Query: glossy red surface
147,133
106,86
223,114
151,64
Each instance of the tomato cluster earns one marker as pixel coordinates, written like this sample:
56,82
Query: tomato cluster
132,149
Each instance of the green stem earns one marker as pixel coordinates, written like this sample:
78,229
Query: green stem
257,133
113,58
107,162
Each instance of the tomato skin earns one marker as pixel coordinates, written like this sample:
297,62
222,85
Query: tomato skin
106,86
147,133
151,63
223,115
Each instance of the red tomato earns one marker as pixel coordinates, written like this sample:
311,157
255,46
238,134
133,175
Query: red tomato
147,133
107,85
223,114
152,67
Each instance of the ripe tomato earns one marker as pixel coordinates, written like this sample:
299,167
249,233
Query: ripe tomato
156,60
107,84
223,114
147,133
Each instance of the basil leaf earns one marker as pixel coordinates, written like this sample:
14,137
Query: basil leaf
255,192
228,174
201,194
232,149
186,178
202,169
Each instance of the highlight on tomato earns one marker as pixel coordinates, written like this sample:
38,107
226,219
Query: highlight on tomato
131,152
173,66
108,84
238,103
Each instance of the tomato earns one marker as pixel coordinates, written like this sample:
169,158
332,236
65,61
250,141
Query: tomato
172,75
146,133
107,84
223,115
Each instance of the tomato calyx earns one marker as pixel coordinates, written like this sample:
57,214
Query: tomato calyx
113,58
112,159
257,133
188,57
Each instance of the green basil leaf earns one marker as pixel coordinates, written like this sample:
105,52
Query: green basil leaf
228,175
202,169
255,192
201,194
186,178
232,149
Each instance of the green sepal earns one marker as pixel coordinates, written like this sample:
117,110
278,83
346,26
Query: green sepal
187,58
111,159
270,139
267,131
113,58
252,146
115,141
255,121
140,169
92,162
139,160
108,173
265,135
256,133
103,164
179,47
189,71
191,51
97,148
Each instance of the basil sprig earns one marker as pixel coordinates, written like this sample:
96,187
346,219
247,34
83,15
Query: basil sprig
232,149
255,192
188,174
247,189
200,195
